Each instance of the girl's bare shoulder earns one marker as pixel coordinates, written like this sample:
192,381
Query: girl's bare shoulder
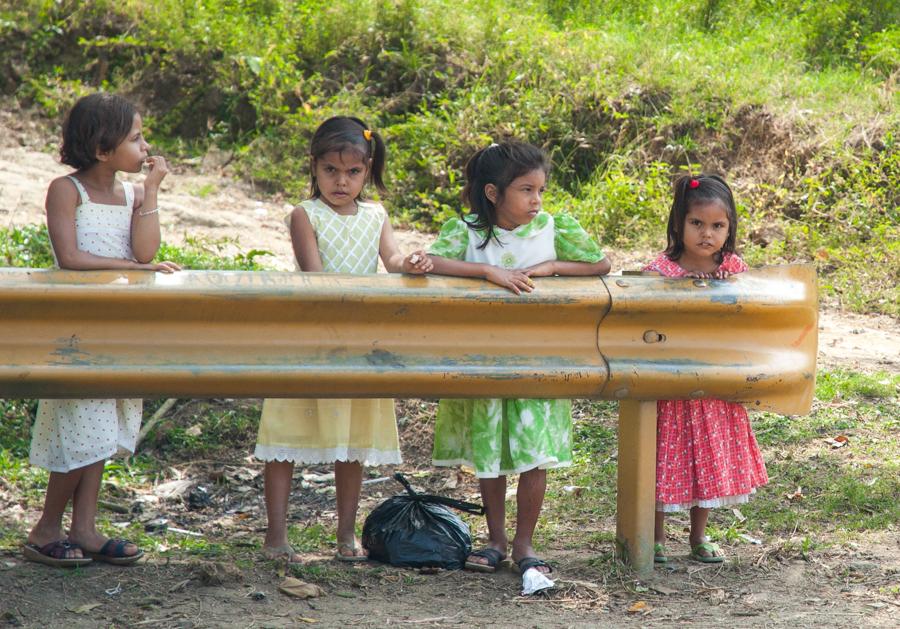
62,190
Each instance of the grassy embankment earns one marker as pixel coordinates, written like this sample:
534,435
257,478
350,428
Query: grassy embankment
795,102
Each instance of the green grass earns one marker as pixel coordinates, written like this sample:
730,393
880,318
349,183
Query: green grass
845,401
845,491
310,538
205,428
26,246
204,191
15,425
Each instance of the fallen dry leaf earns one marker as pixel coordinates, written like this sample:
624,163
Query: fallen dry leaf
300,589
452,482
637,607
838,442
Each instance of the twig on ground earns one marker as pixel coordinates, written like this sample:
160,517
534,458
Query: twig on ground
435,619
112,506
155,419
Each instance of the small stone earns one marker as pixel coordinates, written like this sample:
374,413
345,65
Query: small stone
862,566
199,498
158,525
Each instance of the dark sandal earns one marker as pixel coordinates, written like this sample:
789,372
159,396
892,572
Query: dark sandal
493,556
54,554
533,562
113,552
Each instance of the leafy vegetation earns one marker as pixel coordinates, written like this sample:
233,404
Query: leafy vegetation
29,246
793,101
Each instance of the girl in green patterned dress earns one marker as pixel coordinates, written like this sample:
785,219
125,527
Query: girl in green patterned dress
508,240
338,231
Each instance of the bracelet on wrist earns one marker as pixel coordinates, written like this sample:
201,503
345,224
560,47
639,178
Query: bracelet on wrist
149,212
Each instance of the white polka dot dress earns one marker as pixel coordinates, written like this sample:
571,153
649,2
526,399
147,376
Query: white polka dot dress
69,434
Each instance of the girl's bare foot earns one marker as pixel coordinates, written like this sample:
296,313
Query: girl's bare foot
351,551
282,553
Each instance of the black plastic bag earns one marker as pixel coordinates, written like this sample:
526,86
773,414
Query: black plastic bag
418,530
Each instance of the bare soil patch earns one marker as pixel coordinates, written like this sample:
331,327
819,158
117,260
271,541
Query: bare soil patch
766,585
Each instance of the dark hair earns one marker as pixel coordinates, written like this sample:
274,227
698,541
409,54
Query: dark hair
98,122
498,164
345,133
700,189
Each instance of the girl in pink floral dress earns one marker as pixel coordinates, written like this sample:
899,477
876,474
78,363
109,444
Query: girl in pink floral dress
706,454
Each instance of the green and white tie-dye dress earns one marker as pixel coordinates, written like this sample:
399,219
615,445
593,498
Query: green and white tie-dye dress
509,436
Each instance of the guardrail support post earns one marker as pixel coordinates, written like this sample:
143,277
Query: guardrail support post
636,497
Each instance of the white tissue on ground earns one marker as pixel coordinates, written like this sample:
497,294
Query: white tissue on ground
534,581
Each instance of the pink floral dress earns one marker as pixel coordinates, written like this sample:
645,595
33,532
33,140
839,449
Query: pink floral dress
706,454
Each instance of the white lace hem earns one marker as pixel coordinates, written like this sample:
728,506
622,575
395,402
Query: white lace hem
725,501
549,463
320,456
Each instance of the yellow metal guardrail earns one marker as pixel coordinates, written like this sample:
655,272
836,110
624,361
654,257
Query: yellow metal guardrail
751,338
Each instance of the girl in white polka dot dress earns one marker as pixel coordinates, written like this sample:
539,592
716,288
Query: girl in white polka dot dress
95,222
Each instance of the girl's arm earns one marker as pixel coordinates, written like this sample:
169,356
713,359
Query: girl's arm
62,199
303,240
145,237
515,280
567,267
417,262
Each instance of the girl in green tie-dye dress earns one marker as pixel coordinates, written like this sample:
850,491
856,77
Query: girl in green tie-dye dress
507,240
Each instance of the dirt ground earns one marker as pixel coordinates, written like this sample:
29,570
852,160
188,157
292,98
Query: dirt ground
762,585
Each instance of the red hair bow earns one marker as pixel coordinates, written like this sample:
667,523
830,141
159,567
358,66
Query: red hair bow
695,183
